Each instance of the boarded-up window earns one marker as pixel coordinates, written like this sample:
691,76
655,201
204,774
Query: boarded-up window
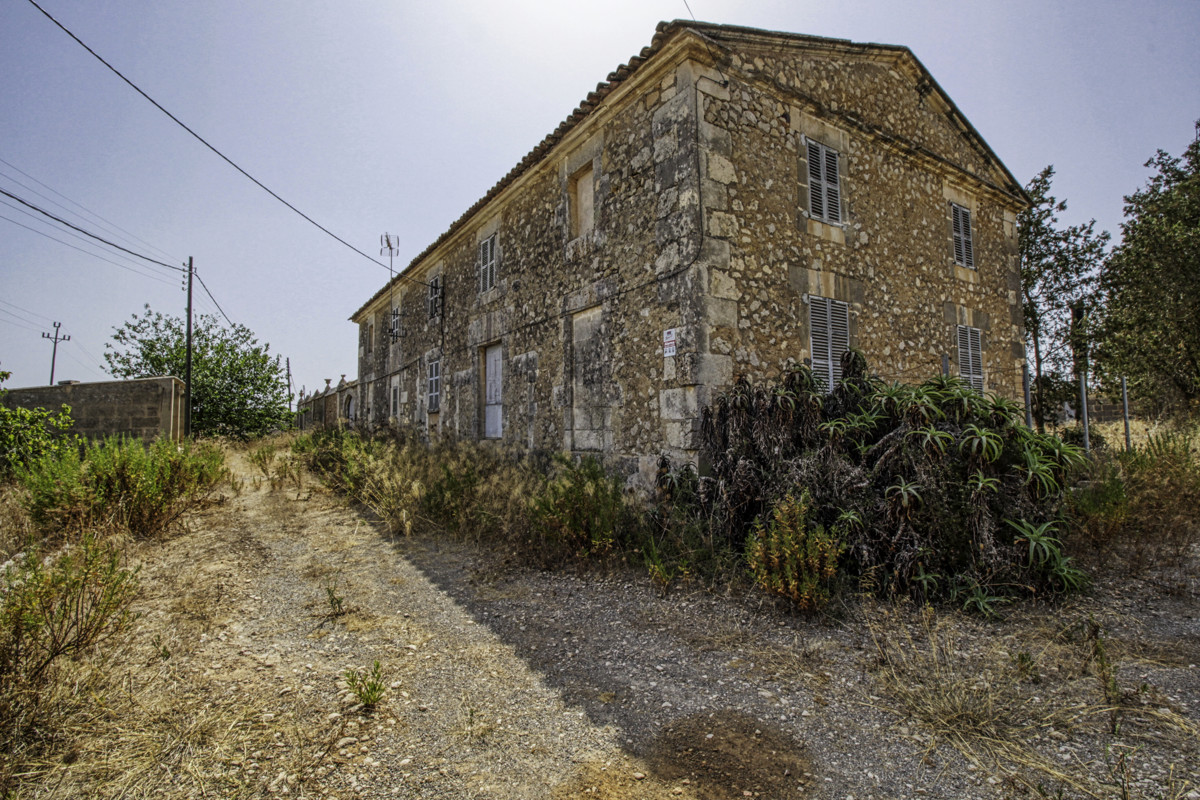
970,356
591,404
493,393
487,263
824,190
829,326
582,200
964,251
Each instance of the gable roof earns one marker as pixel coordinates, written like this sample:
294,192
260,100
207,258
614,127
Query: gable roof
725,36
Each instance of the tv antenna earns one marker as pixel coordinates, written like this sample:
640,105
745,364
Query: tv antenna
390,245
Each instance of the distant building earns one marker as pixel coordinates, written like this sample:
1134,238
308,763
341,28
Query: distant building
329,407
731,201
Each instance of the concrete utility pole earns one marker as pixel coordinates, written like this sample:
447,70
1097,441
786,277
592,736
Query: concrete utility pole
54,354
187,368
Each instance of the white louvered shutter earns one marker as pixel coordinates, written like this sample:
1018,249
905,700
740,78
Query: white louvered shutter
816,183
824,190
829,326
818,322
970,356
963,250
833,200
839,339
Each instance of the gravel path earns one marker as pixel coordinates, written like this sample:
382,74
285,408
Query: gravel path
511,683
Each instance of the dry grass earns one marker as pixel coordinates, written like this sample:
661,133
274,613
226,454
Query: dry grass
158,730
1011,706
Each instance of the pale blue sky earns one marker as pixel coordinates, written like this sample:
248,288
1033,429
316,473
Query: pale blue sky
375,116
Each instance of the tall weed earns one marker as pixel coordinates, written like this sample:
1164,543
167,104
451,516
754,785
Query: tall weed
1142,505
139,488
53,610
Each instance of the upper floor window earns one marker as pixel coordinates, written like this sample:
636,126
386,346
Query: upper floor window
964,251
970,356
583,202
487,264
370,336
435,296
824,189
829,327
395,331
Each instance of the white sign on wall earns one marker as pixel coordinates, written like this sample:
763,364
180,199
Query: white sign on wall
669,342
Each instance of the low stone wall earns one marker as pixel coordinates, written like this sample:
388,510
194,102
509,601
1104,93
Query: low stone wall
145,408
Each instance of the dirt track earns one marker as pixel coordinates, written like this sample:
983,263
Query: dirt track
506,683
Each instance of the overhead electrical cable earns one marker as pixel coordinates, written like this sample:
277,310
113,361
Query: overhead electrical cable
210,297
104,223
126,267
20,323
28,315
201,139
88,233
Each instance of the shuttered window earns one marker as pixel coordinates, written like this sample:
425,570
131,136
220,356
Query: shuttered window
435,386
824,191
970,356
964,251
829,324
487,263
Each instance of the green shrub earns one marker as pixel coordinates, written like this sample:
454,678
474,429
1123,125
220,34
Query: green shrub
51,610
792,556
1142,505
26,435
136,487
580,511
921,478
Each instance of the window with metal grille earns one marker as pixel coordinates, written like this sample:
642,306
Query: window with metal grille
394,329
824,191
964,251
435,296
435,385
829,327
970,356
395,401
487,263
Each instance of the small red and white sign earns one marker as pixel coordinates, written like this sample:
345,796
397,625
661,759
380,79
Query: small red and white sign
668,342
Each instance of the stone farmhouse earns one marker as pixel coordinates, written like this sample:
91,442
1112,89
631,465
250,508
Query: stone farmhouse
730,202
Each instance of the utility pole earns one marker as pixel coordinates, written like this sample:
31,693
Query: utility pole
187,369
288,361
54,353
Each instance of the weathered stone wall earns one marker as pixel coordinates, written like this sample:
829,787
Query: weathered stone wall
892,256
580,320
700,227
146,408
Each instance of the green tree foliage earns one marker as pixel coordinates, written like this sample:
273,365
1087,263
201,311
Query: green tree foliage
238,388
27,434
1150,331
1058,267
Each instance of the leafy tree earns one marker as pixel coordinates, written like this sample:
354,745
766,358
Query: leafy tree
27,434
1150,331
1058,267
238,389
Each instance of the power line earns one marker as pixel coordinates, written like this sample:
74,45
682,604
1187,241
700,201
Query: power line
26,312
104,223
149,275
62,221
201,139
204,286
21,322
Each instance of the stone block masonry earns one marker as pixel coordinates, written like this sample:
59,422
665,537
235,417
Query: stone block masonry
715,192
145,408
